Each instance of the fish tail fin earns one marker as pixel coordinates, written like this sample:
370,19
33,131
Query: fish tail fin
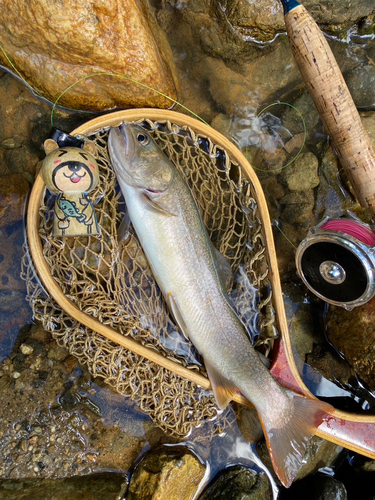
288,443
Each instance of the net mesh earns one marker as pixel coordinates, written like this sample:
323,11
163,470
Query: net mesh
114,283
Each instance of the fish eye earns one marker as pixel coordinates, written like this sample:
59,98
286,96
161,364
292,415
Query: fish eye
143,139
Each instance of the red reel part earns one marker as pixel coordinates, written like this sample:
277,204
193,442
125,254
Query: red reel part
336,261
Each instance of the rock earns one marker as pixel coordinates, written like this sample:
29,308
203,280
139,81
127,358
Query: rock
227,29
331,197
239,483
68,41
319,486
11,252
362,86
110,486
302,174
13,191
166,473
353,334
274,191
298,208
301,320
330,365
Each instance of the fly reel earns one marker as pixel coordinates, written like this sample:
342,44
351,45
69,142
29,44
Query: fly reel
336,261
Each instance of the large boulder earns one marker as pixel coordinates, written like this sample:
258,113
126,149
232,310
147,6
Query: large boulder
56,44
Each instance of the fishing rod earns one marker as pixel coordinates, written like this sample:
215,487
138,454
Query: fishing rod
336,260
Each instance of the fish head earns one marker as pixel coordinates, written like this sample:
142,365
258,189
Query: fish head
138,160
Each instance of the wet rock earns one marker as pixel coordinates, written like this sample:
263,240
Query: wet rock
13,192
238,483
332,197
110,486
317,486
226,29
302,174
166,473
78,39
298,208
11,252
302,321
20,160
330,365
353,334
287,237
230,90
273,191
362,86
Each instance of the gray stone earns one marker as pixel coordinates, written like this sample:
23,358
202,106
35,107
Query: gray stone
238,483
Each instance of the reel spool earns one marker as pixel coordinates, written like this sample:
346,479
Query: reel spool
336,261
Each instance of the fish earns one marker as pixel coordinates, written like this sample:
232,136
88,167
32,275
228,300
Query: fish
192,276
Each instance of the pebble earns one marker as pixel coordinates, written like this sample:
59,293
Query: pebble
26,349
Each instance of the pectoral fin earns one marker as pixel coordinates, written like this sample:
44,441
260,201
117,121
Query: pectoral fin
155,206
222,388
173,307
123,231
225,271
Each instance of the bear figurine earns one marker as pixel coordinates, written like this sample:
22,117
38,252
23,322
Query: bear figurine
72,173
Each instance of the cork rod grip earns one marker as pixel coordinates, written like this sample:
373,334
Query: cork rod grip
332,98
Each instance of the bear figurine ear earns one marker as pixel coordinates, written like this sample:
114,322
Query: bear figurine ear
50,145
90,147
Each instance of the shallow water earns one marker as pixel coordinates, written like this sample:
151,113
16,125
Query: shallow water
267,140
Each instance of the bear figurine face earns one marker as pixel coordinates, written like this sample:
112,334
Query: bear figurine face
69,169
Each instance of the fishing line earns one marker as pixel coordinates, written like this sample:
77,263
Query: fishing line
303,142
17,72
132,80
129,80
276,223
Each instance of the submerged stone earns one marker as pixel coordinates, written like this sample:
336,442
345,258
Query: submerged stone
56,44
239,483
166,473
353,334
12,198
302,175
110,486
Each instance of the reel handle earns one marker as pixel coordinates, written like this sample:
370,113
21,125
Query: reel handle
333,100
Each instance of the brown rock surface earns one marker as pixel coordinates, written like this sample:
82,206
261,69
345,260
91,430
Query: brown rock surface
13,191
55,44
353,334
170,473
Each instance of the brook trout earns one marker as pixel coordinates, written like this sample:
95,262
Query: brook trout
187,269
